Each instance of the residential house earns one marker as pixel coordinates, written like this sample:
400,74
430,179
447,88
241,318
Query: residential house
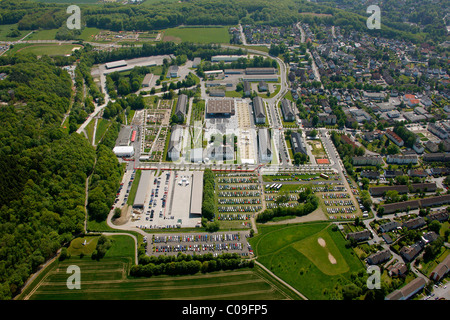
394,137
408,290
389,226
410,252
287,110
360,235
414,223
378,257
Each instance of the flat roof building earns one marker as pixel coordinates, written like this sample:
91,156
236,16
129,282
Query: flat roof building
142,190
260,71
225,58
116,64
124,151
196,193
220,108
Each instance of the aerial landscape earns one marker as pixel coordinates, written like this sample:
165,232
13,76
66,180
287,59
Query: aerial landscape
225,150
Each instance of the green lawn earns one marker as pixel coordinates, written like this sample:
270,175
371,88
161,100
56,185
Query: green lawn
197,34
43,49
294,254
6,28
102,127
134,187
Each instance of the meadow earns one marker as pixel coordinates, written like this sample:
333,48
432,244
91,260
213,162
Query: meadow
43,49
311,257
197,34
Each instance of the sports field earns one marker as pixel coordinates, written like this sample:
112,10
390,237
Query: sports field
197,34
108,279
310,257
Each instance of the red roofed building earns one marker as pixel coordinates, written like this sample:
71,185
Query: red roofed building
394,137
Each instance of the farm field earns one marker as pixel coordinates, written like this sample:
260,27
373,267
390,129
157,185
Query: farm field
197,34
310,257
108,279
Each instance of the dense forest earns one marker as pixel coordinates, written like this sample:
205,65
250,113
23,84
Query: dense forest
43,168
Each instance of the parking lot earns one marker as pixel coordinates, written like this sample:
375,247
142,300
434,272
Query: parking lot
199,243
167,201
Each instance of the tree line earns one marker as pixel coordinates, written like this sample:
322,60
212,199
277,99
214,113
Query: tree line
308,202
186,264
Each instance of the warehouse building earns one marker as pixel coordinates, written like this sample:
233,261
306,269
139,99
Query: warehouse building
224,58
141,193
223,108
116,64
260,71
124,151
196,193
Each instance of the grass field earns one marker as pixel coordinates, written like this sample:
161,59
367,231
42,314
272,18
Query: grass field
197,34
293,253
43,49
5,29
108,279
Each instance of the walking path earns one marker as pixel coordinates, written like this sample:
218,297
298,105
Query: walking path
280,280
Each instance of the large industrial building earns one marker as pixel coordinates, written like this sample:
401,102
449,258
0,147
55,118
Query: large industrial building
124,151
259,111
264,145
224,58
220,108
260,71
142,190
196,193
116,64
